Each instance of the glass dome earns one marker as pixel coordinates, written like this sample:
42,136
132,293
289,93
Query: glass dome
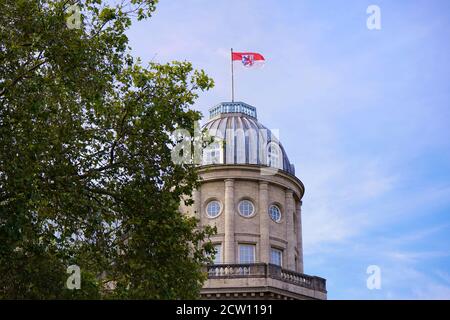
240,139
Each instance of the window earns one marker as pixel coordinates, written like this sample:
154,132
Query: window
275,213
212,153
246,253
213,209
274,155
246,208
276,257
218,254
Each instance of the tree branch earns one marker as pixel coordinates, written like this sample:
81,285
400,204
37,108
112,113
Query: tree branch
16,80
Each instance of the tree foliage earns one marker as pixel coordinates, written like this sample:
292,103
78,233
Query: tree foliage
86,176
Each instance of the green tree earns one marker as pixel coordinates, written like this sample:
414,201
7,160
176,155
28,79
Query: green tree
86,175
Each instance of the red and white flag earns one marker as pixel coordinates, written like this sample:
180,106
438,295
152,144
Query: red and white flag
248,59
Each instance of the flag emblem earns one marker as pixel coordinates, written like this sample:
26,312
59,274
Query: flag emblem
248,60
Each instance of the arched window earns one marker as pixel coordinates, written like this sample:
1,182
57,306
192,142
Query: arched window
274,155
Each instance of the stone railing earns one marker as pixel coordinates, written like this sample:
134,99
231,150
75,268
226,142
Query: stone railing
303,280
236,270
254,270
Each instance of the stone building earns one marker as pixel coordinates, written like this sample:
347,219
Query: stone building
249,191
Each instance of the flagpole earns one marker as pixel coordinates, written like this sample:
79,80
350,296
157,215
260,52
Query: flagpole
232,77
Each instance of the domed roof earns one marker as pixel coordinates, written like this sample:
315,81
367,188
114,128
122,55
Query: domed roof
240,139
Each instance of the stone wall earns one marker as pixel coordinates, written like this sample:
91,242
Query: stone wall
229,184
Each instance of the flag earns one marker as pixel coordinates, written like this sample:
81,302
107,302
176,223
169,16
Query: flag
248,59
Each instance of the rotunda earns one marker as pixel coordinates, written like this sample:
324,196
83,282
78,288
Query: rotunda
249,191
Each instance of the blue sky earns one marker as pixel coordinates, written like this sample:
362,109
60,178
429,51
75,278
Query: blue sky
364,116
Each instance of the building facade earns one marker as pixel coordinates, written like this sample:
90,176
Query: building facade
249,191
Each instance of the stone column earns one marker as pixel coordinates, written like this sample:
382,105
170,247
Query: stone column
229,245
299,236
290,235
264,222
197,206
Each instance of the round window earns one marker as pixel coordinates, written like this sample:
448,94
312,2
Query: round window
275,213
213,209
246,208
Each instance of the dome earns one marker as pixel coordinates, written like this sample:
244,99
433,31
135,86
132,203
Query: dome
240,139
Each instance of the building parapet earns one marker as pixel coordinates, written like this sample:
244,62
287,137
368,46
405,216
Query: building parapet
256,270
